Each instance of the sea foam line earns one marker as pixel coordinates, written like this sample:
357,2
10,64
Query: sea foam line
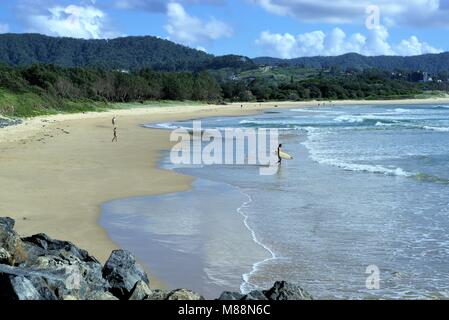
246,285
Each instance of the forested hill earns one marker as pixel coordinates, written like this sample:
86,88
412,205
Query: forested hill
432,63
136,53
128,53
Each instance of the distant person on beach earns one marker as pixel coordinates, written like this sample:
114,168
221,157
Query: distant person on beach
114,120
115,135
279,154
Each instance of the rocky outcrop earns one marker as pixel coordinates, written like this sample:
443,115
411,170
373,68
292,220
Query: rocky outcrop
281,290
122,273
141,291
42,268
183,294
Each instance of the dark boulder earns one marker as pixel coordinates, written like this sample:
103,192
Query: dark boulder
141,291
13,251
283,290
227,295
41,244
157,294
183,294
255,295
80,271
24,284
17,288
7,223
100,295
122,272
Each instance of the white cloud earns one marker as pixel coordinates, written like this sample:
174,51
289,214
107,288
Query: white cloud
4,28
337,42
158,5
190,30
410,12
412,46
86,22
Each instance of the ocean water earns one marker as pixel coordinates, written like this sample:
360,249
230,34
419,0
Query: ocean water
368,186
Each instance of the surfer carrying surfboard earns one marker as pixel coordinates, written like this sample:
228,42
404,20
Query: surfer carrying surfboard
279,153
282,155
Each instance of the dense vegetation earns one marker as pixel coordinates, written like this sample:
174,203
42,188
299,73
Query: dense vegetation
135,53
44,74
368,84
41,89
128,53
432,63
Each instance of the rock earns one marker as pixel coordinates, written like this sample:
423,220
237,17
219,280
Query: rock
81,273
157,294
183,294
41,244
7,223
101,295
227,295
18,288
255,295
23,284
283,290
5,256
280,291
122,272
11,243
56,283
141,291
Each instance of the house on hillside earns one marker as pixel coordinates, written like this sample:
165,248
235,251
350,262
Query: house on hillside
418,76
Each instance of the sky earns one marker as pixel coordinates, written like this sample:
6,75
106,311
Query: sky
277,28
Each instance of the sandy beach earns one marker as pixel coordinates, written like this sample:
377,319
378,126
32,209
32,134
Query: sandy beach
57,170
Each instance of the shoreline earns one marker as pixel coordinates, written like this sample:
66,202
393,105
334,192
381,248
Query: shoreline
59,169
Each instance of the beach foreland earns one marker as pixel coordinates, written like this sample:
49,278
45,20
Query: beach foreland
56,171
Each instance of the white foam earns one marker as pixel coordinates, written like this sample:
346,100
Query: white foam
368,168
316,136
246,285
316,110
383,124
400,110
438,129
350,119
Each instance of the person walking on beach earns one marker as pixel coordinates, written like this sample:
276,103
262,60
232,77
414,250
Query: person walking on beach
115,135
114,120
279,154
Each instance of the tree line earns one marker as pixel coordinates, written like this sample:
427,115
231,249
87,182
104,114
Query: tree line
109,86
56,86
367,84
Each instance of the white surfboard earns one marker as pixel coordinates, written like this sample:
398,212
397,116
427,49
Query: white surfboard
285,155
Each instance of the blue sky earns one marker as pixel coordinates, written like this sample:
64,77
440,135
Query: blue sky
280,28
